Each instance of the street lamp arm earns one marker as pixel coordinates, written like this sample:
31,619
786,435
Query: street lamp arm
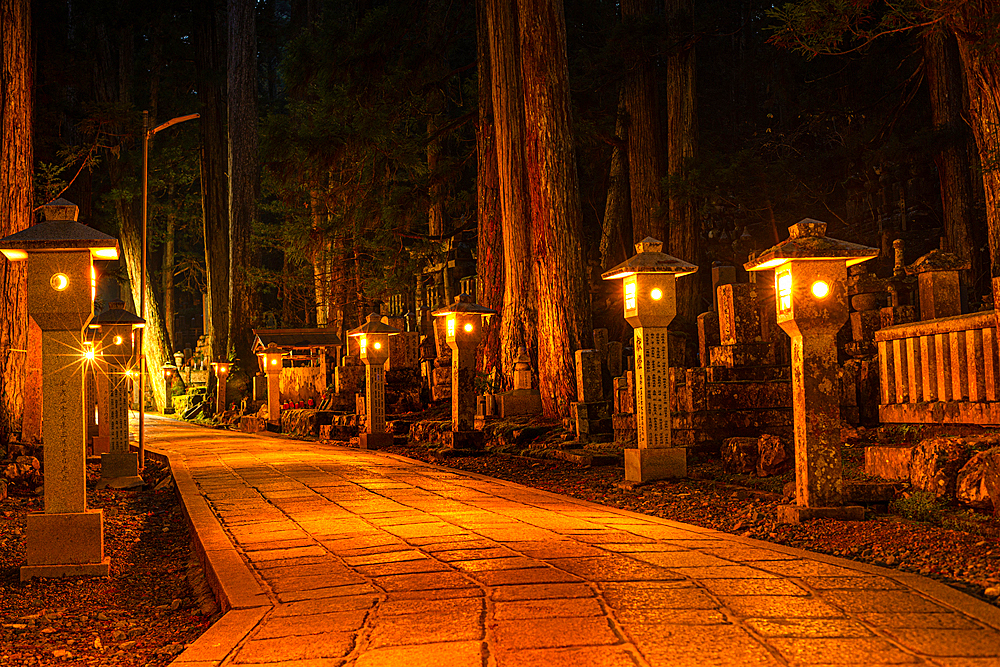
174,121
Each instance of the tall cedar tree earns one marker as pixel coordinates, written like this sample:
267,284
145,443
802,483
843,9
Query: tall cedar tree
556,221
244,175
210,68
519,315
489,263
682,143
646,150
15,204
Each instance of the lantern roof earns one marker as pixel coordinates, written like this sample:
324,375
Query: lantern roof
650,258
373,325
807,240
464,305
116,314
168,367
59,231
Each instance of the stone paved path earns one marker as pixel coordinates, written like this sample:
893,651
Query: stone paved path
334,556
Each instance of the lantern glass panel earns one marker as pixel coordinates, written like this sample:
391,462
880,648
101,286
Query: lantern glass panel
784,281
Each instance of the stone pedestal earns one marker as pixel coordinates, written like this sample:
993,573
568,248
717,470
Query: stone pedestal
120,466
463,439
374,440
65,544
274,396
220,393
522,399
644,464
798,513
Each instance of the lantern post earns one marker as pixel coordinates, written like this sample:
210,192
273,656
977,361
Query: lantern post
650,296
67,538
463,331
271,361
373,341
810,273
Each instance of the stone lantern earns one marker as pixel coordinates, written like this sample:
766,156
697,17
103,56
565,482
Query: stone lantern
169,371
463,331
221,375
373,342
810,273
67,539
650,305
271,363
114,340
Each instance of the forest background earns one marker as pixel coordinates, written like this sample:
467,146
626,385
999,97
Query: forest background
341,141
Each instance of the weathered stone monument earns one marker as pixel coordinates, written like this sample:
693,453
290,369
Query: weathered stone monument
522,399
650,305
938,284
373,341
67,538
463,323
811,287
114,344
591,414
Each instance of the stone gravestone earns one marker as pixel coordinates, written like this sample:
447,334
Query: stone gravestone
522,399
591,412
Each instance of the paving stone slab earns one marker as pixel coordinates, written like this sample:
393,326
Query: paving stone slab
537,575
401,567
327,645
550,608
701,645
325,605
853,583
490,564
542,591
949,641
630,618
893,619
423,581
332,592
311,624
864,650
879,600
419,629
553,633
598,656
453,654
612,567
752,587
807,627
778,606
476,554
397,607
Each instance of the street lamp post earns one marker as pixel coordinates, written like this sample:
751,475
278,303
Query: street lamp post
147,134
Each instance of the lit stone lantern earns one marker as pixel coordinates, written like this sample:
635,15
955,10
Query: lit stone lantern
463,331
67,539
221,375
168,370
271,363
649,279
114,340
373,343
810,273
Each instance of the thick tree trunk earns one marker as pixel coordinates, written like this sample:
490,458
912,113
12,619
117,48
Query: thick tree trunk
167,273
944,79
560,280
489,264
244,175
436,223
682,144
518,319
210,65
16,73
318,259
975,28
646,147
616,229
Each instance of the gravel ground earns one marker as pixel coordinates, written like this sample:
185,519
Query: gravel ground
144,613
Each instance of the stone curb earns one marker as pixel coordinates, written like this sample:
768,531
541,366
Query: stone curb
241,597
962,602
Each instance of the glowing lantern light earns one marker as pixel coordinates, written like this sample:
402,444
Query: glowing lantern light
374,357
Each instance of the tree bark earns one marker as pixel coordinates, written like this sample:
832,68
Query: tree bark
319,259
944,79
556,220
167,274
244,175
976,29
16,205
646,159
489,264
210,65
518,318
616,229
682,144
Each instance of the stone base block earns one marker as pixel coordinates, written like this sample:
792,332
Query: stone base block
648,465
798,513
462,439
101,444
101,569
117,466
520,402
374,440
889,461
64,543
